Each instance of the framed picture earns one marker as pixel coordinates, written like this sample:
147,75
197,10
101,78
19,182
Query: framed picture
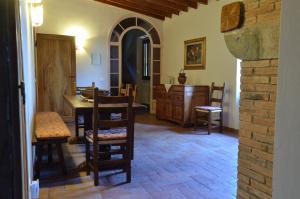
195,54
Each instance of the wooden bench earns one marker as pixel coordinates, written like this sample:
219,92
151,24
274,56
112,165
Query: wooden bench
50,130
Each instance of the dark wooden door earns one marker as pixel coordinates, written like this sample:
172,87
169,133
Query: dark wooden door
11,178
56,71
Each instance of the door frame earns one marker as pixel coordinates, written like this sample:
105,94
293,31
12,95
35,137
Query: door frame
10,132
156,52
151,58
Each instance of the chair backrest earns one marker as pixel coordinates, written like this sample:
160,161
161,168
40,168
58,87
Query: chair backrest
113,104
217,95
124,90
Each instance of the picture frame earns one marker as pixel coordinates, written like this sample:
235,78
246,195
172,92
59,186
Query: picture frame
195,54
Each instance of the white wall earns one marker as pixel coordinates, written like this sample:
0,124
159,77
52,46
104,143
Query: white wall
95,20
29,79
286,182
220,64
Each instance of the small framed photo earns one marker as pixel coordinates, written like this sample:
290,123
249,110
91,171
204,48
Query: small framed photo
195,54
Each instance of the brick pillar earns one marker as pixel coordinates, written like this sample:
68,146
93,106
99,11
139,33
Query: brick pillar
257,111
257,121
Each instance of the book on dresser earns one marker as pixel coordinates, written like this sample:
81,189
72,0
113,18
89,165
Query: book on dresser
176,102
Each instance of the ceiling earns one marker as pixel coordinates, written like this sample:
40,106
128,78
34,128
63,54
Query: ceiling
159,9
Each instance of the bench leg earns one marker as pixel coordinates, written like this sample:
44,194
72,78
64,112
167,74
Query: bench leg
61,158
39,151
50,153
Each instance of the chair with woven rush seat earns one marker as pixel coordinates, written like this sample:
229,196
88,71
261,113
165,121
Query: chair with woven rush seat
108,145
205,113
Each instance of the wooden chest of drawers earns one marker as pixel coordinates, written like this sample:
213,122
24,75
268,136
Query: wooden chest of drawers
176,104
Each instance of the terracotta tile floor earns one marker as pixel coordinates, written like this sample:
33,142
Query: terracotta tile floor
170,162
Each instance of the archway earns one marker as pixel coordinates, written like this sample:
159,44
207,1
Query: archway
116,36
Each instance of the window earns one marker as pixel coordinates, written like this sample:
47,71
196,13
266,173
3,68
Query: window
146,59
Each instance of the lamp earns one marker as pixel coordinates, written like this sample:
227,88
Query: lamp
80,36
37,12
34,1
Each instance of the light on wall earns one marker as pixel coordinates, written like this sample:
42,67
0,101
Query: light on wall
37,12
37,15
80,36
34,1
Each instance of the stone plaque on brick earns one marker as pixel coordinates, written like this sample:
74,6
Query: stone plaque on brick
232,16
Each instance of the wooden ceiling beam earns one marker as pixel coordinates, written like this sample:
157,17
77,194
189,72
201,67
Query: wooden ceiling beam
156,5
179,4
137,4
159,9
205,2
192,3
171,7
134,9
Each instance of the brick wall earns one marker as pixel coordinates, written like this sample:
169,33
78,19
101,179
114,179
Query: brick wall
261,11
257,111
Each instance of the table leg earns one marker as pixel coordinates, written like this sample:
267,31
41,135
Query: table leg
87,126
88,121
76,124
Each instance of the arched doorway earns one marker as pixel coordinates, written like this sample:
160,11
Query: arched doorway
116,37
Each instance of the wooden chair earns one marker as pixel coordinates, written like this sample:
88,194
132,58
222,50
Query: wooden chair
88,93
113,132
124,90
205,113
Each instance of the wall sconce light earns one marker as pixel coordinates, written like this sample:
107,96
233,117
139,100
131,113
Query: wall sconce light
80,36
37,12
34,1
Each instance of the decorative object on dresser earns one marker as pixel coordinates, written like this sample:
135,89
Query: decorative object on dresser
232,16
182,77
176,102
205,113
195,54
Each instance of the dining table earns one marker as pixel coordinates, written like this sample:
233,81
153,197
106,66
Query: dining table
84,107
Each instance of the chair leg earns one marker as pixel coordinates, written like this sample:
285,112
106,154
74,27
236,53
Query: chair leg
128,165
87,157
195,119
128,172
209,123
221,122
95,164
61,158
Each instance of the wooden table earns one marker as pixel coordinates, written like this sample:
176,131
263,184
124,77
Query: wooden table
85,108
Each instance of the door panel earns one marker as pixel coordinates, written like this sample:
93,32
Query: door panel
56,71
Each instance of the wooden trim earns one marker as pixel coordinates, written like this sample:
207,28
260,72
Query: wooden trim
231,130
